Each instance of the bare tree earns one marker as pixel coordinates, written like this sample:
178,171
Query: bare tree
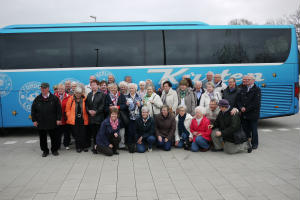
240,21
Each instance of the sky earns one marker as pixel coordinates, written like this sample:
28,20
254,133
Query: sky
214,12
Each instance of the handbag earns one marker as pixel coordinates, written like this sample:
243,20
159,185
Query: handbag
124,118
240,136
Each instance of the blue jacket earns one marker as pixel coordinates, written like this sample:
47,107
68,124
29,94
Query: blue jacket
105,132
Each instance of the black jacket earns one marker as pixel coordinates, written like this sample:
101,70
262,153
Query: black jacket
145,129
228,124
251,101
232,96
46,111
121,103
97,104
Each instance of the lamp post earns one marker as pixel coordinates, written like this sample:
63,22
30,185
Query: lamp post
94,17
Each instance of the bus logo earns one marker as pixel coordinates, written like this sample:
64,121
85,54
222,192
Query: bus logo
5,84
27,94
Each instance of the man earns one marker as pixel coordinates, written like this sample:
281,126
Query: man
68,86
209,78
212,111
249,105
111,79
46,114
88,88
128,79
198,92
244,82
219,84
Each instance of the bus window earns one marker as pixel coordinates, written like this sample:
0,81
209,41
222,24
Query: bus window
1,50
225,46
36,50
117,48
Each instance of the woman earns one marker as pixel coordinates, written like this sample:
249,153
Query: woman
108,137
152,101
142,91
95,109
63,129
103,87
186,97
169,96
165,126
183,136
134,103
78,118
209,94
123,85
115,99
200,130
145,130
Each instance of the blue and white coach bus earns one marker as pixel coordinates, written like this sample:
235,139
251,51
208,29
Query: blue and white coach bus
31,54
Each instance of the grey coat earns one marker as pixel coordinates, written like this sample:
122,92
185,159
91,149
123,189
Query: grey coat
189,101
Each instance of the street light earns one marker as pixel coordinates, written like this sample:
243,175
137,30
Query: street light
94,17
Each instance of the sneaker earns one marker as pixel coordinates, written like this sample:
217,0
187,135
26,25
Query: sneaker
86,150
67,148
45,154
149,149
55,153
94,151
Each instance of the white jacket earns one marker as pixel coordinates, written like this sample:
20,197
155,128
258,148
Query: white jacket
221,86
171,99
155,107
187,124
205,99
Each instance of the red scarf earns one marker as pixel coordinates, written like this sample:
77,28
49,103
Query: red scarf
114,124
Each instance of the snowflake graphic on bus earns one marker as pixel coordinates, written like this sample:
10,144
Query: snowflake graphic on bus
27,94
5,84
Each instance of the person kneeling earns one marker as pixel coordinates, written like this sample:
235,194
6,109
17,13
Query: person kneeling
200,130
183,136
229,135
145,130
108,137
165,128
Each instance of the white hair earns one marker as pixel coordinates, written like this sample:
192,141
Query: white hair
112,85
74,83
181,106
145,109
123,83
142,82
78,90
200,109
133,85
209,72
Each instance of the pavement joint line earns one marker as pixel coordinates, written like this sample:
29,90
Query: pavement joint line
152,176
136,192
282,129
31,141
265,130
116,197
99,179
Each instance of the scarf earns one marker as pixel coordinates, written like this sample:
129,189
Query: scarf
182,94
181,127
147,97
114,98
114,124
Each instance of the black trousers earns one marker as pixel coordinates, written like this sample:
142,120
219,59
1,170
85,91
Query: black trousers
92,133
64,131
79,131
54,137
108,151
130,133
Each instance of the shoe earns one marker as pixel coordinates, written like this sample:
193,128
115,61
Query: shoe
149,149
67,148
55,153
216,150
85,150
79,150
116,153
45,154
94,151
203,150
254,147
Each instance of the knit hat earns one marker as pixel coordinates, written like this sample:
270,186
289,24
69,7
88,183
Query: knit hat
224,103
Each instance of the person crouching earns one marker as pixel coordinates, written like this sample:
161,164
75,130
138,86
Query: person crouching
108,136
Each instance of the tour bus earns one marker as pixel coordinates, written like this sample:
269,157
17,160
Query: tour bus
54,53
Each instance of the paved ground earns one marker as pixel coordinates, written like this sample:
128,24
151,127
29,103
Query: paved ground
271,172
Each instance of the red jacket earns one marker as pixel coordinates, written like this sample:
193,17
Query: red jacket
63,104
202,128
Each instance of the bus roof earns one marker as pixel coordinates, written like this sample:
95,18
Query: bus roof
113,26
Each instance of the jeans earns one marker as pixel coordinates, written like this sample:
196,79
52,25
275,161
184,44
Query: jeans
250,126
200,142
150,140
184,139
164,145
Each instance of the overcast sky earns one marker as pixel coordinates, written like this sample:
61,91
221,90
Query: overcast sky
209,11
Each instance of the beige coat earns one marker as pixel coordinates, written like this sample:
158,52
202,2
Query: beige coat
189,101
157,104
205,99
171,99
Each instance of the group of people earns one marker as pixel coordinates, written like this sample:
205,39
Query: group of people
106,116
